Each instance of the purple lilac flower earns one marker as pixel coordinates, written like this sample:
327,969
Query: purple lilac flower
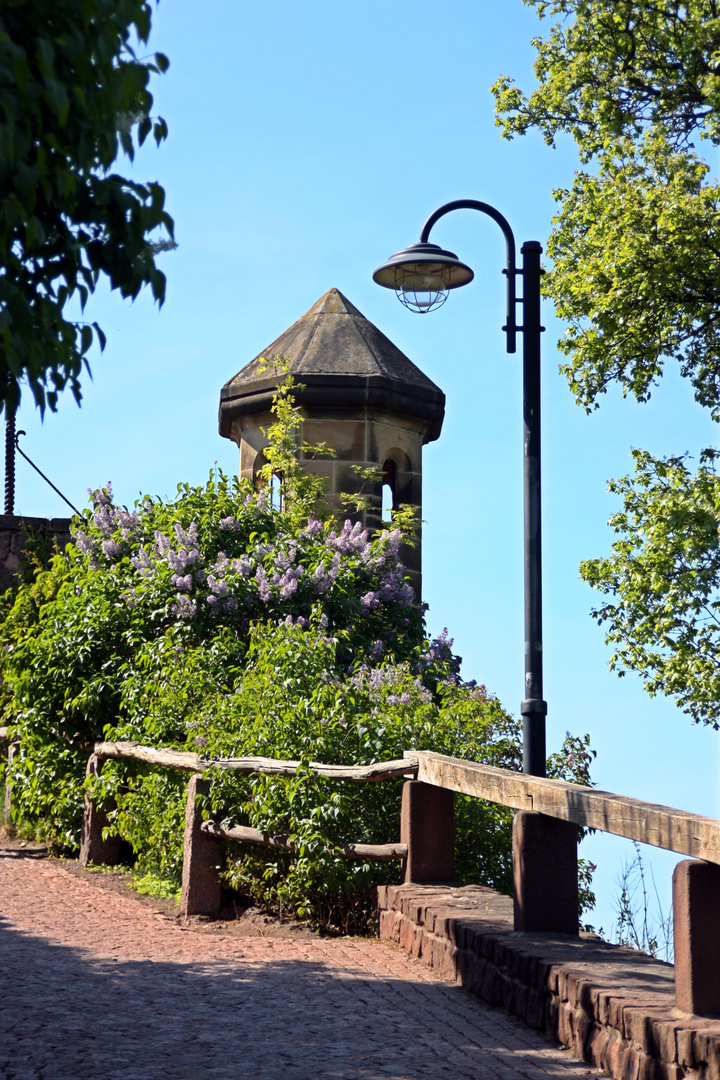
230,524
231,604
185,608
394,539
128,522
104,520
218,587
184,584
102,496
189,538
281,562
319,579
263,586
351,539
83,543
111,549
369,601
243,565
162,544
312,530
289,582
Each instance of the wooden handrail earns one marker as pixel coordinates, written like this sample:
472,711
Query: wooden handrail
189,762
248,835
650,823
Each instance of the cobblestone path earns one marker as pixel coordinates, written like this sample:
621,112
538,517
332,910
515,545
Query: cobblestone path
96,986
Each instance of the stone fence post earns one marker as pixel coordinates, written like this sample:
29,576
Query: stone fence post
201,859
545,874
696,930
12,750
93,849
427,826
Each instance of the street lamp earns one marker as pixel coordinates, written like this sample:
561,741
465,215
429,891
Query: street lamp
422,275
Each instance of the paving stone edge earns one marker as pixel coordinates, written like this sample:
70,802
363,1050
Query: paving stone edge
609,1005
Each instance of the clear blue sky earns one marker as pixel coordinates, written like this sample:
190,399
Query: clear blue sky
308,142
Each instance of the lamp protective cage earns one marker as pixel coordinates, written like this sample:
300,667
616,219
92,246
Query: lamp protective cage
422,275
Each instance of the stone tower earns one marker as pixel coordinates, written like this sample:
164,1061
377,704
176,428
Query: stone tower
360,395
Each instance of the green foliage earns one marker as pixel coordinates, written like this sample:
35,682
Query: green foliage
613,68
221,624
635,275
636,265
73,95
635,242
294,700
664,575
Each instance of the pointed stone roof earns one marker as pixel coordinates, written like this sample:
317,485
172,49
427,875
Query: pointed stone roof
343,361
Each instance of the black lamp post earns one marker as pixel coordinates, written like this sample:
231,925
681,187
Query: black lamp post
422,275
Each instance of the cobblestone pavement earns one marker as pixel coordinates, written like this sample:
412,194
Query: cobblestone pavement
96,986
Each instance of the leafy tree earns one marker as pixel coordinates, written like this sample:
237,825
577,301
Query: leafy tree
664,577
73,96
635,274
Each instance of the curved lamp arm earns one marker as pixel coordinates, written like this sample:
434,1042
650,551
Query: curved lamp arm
510,271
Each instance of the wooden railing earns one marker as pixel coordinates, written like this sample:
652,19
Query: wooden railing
649,823
548,812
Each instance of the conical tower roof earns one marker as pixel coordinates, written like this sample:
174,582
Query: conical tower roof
343,361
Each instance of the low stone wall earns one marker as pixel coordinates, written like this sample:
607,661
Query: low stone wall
609,1005
14,533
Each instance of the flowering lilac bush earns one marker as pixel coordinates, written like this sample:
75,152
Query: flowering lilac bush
292,699
220,624
213,562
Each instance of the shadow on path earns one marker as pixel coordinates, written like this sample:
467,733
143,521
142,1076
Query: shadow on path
67,1015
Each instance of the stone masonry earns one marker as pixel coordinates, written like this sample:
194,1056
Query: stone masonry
611,1006
358,394
14,534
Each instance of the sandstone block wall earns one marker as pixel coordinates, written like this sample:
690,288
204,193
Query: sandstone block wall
14,533
609,1005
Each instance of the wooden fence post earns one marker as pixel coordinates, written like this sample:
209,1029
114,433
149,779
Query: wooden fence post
427,826
93,849
201,857
696,930
545,881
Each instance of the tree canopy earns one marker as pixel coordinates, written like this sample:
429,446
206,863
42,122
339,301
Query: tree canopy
635,247
73,97
635,274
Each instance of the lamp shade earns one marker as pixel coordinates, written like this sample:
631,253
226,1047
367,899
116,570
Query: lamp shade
422,274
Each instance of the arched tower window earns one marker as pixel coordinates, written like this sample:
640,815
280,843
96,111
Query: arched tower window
274,491
389,489
276,499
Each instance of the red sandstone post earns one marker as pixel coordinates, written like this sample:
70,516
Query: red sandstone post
93,849
427,826
12,751
201,858
696,929
545,882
